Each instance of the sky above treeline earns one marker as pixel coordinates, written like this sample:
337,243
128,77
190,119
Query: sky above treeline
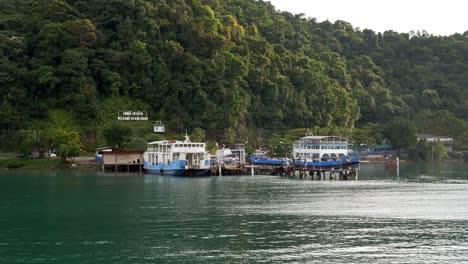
436,17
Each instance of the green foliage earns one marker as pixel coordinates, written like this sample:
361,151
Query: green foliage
359,136
198,135
226,67
80,33
56,119
69,150
423,150
35,164
439,152
14,164
374,133
434,152
25,142
118,135
67,143
442,123
279,146
294,134
136,143
400,132
211,147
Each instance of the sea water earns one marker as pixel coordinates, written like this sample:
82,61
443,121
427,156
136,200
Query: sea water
419,215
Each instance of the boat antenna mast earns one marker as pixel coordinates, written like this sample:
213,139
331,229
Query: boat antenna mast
187,138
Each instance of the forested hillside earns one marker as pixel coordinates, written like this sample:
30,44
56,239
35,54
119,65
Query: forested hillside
231,68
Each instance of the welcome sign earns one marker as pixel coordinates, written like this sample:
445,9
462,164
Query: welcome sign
133,116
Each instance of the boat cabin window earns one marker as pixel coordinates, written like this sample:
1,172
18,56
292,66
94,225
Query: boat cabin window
154,159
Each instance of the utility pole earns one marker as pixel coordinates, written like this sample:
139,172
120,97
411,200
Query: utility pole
432,152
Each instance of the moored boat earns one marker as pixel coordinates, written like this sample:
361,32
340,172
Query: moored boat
230,161
312,151
260,157
323,151
174,157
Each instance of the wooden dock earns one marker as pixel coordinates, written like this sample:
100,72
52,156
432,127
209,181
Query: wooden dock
228,170
324,173
327,173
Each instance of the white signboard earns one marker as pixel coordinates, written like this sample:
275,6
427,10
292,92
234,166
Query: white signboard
159,127
133,116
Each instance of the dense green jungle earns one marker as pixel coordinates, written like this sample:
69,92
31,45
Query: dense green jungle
224,71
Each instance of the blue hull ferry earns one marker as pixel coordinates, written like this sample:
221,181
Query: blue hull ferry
323,151
173,157
314,151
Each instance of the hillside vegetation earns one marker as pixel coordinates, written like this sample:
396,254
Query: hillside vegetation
236,69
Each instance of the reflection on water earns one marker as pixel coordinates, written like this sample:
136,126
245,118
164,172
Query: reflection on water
420,216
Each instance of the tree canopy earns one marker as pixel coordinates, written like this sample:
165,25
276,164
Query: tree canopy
229,68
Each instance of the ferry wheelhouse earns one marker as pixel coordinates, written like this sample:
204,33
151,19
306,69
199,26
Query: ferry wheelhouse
322,151
320,148
174,157
234,156
231,161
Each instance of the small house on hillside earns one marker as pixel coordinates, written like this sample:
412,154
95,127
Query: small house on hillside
431,139
376,149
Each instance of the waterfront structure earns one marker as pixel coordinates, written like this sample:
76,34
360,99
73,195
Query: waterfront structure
229,160
174,157
320,148
98,154
374,149
260,157
320,151
122,159
431,139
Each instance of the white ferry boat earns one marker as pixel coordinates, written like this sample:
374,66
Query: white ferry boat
322,151
174,157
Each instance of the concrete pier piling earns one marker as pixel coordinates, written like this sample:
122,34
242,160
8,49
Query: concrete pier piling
311,173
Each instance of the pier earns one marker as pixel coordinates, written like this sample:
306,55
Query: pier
224,169
307,172
327,173
317,157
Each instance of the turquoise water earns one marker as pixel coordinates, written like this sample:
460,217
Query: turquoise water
418,216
